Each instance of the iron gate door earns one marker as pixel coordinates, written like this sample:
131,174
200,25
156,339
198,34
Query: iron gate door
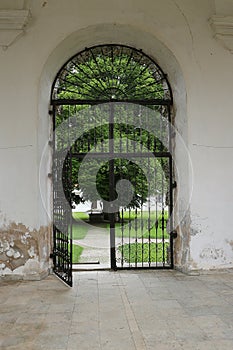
111,109
62,206
118,160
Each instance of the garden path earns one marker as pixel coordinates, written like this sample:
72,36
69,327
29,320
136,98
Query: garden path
96,244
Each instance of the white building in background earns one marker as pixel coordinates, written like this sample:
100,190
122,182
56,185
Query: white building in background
192,41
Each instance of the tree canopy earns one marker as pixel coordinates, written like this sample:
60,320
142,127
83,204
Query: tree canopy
109,73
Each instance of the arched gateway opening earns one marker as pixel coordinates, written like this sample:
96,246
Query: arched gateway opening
112,152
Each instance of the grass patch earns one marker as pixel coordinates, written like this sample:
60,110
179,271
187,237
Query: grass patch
141,226
76,253
80,216
79,228
79,231
133,226
138,252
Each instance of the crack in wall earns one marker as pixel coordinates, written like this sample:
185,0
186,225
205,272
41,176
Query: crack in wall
189,30
15,147
212,146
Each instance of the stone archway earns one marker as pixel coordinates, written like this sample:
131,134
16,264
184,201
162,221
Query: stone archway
132,36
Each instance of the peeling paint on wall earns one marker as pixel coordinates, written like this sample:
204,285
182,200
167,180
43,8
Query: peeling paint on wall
23,251
182,243
198,225
212,253
230,243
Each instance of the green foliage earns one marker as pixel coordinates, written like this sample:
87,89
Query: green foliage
148,178
108,73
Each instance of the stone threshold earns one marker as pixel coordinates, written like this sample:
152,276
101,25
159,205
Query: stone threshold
30,277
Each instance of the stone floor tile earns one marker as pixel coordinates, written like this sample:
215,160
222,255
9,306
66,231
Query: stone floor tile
8,318
23,346
117,340
138,310
224,344
198,345
164,345
27,317
227,319
52,341
63,307
84,341
12,340
58,317
82,327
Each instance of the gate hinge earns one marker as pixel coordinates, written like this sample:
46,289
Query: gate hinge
173,234
174,185
51,255
51,110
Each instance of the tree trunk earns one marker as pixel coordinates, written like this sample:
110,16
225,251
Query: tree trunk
107,215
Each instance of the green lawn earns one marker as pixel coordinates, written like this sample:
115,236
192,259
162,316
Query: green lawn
79,228
79,231
81,216
76,253
138,252
138,227
132,226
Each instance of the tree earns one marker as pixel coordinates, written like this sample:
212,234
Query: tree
112,73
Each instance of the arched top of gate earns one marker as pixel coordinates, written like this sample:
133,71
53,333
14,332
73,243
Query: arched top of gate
111,73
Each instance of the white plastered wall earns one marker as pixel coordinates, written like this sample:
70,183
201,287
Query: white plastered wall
177,35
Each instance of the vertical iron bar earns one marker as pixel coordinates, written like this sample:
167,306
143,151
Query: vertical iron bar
53,184
112,186
149,216
156,232
148,187
136,233
122,236
136,213
162,213
142,221
70,221
170,188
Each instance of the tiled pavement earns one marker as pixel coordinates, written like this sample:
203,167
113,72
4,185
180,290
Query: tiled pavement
127,310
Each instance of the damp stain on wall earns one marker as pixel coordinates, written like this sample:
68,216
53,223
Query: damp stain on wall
182,243
231,244
24,251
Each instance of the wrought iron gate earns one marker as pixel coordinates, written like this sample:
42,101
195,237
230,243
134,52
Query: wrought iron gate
112,127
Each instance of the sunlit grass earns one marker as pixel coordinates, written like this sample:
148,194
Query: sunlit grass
138,252
76,253
142,225
80,216
79,228
145,224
